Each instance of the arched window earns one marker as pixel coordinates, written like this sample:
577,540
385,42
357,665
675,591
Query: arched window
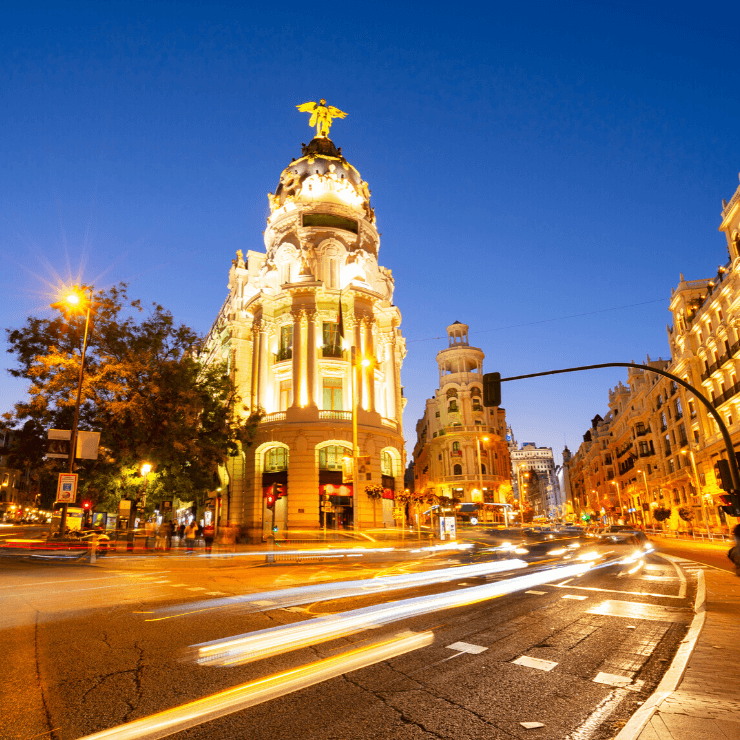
475,391
451,393
457,470
483,469
456,447
386,463
276,459
330,457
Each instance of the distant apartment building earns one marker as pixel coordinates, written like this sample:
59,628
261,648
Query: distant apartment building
656,448
533,470
461,451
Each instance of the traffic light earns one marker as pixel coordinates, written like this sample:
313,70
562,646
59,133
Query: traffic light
86,505
492,389
270,497
731,504
722,474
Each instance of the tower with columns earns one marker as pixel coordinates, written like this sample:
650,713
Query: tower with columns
461,450
288,346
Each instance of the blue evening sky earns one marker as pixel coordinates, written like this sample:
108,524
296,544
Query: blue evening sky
540,171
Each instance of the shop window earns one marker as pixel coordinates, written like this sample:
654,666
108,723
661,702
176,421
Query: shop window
330,457
332,388
276,459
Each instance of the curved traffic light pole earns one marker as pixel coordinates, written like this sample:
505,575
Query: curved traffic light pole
732,461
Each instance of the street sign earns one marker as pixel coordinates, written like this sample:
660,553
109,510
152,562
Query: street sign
60,440
67,488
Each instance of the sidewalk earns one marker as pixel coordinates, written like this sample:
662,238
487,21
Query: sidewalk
706,703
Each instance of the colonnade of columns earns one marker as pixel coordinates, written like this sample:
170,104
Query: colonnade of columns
305,356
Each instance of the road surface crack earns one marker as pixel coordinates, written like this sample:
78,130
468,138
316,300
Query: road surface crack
47,714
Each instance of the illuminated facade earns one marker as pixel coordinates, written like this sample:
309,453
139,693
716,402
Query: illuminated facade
280,331
657,446
457,432
543,488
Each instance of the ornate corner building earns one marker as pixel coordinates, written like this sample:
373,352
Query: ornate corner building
287,344
656,447
461,451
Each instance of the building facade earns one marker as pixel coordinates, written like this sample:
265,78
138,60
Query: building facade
461,450
652,457
535,479
294,315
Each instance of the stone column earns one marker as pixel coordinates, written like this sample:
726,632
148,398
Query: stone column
390,379
370,369
263,366
297,316
311,359
254,395
358,375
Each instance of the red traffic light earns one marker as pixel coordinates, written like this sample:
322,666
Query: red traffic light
86,505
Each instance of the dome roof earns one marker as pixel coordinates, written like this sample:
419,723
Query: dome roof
322,174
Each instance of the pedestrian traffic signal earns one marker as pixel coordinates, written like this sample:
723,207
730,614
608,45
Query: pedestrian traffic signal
722,474
492,389
86,505
731,504
270,497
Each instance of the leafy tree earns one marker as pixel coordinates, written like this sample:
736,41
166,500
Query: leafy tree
661,513
144,390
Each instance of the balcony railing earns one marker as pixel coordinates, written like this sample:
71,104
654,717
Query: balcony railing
330,415
642,432
286,353
271,418
729,393
389,423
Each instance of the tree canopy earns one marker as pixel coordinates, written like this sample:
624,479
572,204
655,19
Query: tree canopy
143,389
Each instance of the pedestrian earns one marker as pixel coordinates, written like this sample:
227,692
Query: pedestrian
734,553
209,532
191,532
181,530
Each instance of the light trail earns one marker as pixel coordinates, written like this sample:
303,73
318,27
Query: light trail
283,598
276,640
246,695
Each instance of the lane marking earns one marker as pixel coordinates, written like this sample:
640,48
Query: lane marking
577,597
466,647
611,679
675,673
216,593
674,562
538,593
195,588
615,591
531,725
538,663
636,610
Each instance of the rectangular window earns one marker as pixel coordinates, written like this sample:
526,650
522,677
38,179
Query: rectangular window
332,394
286,394
331,340
285,350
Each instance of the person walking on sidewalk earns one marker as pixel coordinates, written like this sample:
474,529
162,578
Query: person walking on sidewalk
734,553
209,532
191,532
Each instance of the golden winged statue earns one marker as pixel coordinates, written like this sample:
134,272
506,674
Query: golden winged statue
321,115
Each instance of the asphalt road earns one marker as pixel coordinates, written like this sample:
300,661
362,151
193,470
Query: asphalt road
91,647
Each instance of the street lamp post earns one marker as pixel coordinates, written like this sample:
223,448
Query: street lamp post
619,496
480,469
647,495
73,300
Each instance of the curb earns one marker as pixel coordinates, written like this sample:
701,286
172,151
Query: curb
675,673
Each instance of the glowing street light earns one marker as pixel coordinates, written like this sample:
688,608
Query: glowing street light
75,299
